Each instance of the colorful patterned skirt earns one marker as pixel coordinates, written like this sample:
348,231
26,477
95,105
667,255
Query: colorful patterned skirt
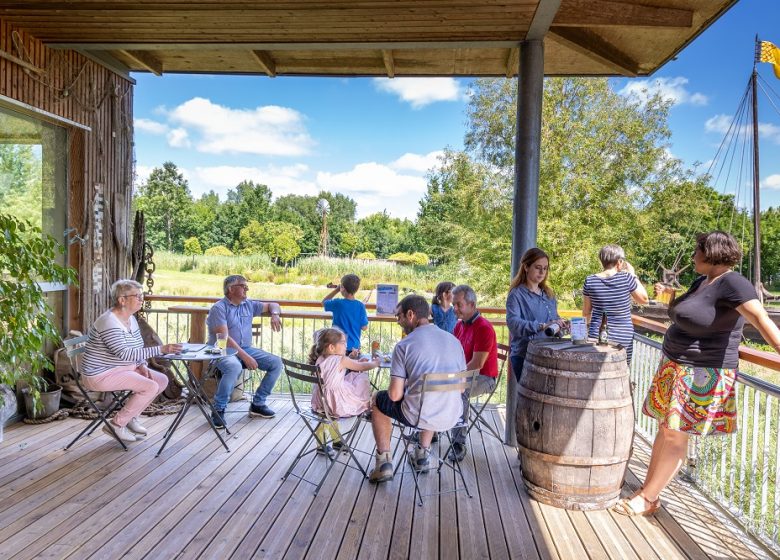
695,400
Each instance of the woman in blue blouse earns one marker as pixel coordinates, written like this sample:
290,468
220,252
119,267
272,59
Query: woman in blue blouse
530,306
441,307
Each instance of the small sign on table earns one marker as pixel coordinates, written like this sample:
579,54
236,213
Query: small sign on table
386,299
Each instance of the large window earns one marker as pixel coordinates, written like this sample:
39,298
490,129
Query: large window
33,181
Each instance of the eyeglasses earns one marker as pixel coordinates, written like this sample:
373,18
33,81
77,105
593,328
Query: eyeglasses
242,286
139,297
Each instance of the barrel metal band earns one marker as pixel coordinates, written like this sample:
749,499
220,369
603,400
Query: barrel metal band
573,461
573,374
574,403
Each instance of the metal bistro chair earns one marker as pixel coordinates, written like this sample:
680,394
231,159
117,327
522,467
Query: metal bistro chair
477,407
74,348
436,383
312,419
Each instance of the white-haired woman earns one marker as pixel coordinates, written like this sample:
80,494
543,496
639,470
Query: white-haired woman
115,359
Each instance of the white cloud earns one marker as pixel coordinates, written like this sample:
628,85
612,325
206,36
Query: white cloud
671,89
723,123
150,126
377,187
771,182
420,92
178,138
266,130
417,162
282,180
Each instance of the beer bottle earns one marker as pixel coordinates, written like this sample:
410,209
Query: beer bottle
603,329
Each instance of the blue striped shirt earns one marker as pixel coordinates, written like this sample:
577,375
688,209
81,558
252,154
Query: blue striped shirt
111,344
612,295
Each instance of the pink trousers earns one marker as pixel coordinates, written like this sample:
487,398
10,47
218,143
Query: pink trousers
144,390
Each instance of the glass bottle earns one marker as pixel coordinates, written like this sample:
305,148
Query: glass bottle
603,330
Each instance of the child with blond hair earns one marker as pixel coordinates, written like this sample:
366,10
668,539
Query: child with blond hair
345,383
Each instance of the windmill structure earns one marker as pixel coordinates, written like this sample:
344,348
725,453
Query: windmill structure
323,207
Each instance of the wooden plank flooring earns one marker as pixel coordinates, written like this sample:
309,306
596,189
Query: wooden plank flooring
198,501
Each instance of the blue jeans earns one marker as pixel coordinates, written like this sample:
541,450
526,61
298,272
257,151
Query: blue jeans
231,368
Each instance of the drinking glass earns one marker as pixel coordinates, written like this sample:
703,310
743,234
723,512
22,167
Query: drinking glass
222,341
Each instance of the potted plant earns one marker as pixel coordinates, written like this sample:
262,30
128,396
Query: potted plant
27,257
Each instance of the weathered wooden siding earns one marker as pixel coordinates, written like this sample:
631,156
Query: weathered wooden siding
74,87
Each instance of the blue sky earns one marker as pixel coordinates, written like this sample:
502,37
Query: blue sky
374,139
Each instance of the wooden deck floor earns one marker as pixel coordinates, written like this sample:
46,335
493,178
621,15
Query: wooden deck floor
197,501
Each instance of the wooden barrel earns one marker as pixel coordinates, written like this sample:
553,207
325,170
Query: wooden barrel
575,423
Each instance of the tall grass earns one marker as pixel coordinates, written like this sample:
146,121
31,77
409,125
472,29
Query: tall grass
313,271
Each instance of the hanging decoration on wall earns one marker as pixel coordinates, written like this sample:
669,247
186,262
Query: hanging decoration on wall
97,239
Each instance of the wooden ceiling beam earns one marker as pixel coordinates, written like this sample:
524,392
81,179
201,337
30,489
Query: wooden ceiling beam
609,13
387,57
543,18
291,46
266,62
145,60
594,47
512,62
581,13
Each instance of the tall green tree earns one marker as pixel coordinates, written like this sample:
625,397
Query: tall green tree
603,157
167,204
383,235
21,182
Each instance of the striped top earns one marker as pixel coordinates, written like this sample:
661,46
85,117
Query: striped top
111,344
612,295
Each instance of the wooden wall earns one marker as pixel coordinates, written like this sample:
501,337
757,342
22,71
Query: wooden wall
100,160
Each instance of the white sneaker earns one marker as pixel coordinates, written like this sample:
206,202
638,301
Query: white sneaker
135,426
124,434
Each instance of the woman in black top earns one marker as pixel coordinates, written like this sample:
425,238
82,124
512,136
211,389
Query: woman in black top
692,391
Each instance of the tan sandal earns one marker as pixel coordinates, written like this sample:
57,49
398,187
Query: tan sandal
624,507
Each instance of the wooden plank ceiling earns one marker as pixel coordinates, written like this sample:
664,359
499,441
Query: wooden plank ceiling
367,37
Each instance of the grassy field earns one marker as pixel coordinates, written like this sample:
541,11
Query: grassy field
179,283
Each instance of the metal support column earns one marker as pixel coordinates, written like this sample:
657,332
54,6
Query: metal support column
530,84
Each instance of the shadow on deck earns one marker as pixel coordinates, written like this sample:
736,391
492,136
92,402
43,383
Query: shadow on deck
197,501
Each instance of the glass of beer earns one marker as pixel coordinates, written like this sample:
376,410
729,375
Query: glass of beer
222,342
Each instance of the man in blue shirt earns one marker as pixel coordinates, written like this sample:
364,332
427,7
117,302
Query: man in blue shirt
349,314
233,315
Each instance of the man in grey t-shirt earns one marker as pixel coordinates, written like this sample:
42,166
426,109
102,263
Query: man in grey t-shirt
425,349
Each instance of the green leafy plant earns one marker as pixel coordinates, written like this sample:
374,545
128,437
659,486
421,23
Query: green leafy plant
27,257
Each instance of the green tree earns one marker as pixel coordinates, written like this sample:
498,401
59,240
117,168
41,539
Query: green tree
167,204
278,240
602,157
192,246
301,210
770,243
384,235
21,183
204,215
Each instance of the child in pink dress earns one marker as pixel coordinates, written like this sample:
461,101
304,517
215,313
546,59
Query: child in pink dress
346,385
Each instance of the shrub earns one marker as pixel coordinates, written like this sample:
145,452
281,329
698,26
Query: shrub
419,259
401,258
218,251
192,246
366,256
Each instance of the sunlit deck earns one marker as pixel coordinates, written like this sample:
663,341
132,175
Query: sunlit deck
197,501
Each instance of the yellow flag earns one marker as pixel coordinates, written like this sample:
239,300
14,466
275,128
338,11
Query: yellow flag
771,54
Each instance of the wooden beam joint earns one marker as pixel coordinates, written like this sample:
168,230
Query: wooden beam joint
387,57
593,46
146,60
266,62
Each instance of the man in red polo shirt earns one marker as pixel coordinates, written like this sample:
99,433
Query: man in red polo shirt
478,339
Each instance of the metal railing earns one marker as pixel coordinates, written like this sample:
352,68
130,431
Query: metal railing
175,324
740,472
